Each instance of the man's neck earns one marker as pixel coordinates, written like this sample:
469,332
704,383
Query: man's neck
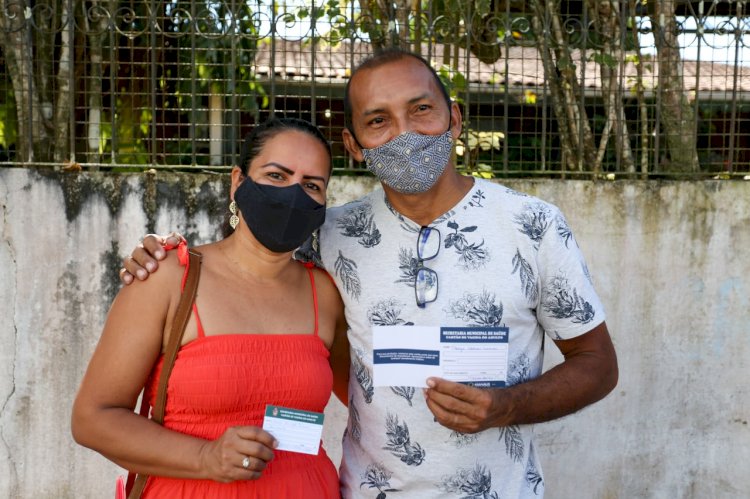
424,208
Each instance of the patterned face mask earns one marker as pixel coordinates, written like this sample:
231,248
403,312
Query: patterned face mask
411,163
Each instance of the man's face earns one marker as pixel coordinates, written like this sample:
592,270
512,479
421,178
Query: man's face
396,97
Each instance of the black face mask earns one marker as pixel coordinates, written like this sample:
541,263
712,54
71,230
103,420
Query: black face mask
280,218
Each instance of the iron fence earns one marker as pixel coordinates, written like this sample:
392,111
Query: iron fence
556,88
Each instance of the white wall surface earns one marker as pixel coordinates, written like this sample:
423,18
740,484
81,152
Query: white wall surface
670,261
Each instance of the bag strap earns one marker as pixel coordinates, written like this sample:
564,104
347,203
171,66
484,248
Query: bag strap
181,317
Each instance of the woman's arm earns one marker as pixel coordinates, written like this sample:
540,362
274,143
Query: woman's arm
103,417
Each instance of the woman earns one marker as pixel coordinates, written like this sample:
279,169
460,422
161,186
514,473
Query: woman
260,333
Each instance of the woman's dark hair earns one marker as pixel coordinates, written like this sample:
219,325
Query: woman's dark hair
262,133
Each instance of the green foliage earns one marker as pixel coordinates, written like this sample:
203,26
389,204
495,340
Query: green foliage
208,50
210,54
340,27
454,81
525,153
8,123
476,149
566,64
603,59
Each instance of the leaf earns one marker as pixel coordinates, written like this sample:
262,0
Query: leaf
450,240
566,64
334,36
459,81
526,274
482,7
513,442
346,270
471,228
605,59
452,225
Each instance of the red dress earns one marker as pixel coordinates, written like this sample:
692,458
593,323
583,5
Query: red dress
226,380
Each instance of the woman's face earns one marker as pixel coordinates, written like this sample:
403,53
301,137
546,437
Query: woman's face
291,157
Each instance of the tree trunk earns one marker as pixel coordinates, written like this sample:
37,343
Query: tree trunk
576,139
378,20
676,111
403,10
393,19
606,16
640,93
43,36
95,36
16,44
64,95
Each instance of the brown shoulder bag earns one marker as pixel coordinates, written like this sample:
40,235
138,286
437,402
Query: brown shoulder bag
136,483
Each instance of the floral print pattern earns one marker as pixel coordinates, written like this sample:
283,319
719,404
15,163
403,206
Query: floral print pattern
506,260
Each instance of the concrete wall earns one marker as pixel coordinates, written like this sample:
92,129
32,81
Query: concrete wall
670,261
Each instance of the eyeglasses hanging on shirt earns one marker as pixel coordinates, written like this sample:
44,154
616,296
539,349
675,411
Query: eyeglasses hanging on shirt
426,279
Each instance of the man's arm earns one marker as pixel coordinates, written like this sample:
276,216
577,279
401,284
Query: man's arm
588,373
340,362
145,256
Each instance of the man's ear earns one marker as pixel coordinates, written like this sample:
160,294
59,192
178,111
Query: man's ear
350,143
237,178
456,120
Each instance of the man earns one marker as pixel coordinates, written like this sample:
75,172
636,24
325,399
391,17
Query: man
435,248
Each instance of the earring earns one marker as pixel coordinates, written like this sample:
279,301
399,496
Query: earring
234,219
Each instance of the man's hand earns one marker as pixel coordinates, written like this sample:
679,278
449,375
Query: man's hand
144,258
464,408
588,373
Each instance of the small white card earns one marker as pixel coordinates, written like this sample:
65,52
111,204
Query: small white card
408,355
296,430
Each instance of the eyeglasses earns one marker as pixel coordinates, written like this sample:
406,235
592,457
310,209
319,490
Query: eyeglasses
426,279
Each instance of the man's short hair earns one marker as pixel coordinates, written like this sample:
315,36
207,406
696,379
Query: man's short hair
379,59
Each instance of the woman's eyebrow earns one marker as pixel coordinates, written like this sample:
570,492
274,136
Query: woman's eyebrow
289,171
283,168
315,177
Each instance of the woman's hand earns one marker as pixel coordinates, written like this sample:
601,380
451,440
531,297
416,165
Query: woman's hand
241,453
